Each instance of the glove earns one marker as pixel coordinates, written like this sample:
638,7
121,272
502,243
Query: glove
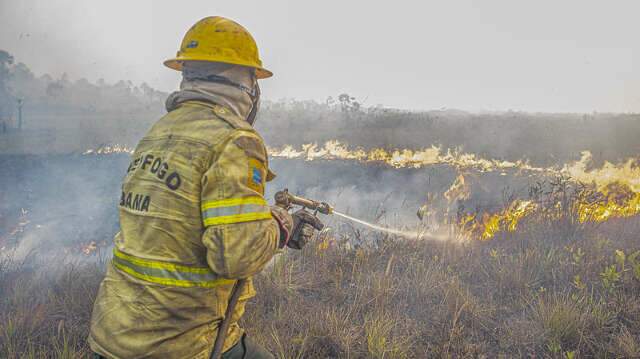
304,226
285,222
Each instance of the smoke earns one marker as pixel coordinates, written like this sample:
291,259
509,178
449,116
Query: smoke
71,200
58,204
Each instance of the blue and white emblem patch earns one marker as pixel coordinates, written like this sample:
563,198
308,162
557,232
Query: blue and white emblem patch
257,176
255,179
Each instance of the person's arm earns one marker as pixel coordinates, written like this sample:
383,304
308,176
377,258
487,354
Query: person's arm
241,234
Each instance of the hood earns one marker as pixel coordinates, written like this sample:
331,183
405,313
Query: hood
194,87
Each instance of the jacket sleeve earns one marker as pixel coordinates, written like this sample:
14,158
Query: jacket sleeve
240,234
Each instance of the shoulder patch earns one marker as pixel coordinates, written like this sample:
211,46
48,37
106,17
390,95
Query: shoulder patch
256,177
252,147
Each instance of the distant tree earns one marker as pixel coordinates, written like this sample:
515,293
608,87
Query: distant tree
6,60
6,99
330,101
21,73
54,89
348,103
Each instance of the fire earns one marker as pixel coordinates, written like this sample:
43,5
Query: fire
89,248
489,224
627,173
615,201
608,192
109,149
459,190
615,188
401,158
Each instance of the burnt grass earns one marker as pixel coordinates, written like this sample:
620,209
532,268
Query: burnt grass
556,293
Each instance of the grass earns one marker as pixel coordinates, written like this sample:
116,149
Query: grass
532,293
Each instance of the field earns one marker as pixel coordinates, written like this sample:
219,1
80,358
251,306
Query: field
556,285
504,234
514,241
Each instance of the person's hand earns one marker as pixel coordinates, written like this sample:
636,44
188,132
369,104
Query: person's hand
304,226
285,222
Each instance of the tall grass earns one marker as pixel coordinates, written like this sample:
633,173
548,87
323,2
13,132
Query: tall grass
556,293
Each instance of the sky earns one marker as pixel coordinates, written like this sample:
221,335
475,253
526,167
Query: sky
490,55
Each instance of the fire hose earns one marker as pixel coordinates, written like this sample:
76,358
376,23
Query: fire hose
226,321
285,200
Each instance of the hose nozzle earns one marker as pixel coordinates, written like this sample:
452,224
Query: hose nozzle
285,200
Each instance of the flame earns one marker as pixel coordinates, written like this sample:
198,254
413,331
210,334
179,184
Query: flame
400,158
616,201
616,187
490,224
459,190
627,173
89,248
109,149
611,191
508,219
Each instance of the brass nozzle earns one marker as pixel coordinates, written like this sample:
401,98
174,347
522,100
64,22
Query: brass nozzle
285,200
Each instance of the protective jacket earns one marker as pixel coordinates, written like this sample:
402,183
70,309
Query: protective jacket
193,220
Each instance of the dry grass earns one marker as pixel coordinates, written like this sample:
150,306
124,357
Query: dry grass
45,313
534,293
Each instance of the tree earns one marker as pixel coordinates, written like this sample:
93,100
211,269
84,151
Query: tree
348,103
6,99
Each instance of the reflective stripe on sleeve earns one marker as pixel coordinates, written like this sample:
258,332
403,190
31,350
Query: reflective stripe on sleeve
235,210
165,273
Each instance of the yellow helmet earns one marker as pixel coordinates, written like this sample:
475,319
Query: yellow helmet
217,39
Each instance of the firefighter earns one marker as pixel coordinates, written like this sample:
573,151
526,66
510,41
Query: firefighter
193,218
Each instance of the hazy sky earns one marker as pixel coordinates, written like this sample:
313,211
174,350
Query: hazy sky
543,55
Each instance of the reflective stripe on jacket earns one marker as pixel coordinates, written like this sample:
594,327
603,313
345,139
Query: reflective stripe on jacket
193,219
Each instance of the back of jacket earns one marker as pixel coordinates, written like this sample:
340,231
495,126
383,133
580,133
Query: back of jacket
193,220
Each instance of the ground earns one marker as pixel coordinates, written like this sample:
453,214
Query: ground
548,290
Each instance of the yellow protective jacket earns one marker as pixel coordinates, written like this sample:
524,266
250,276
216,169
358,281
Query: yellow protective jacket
193,219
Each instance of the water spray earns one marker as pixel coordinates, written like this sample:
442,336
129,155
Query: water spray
398,232
286,200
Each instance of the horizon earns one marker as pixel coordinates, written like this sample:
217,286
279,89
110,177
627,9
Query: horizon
489,57
334,96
